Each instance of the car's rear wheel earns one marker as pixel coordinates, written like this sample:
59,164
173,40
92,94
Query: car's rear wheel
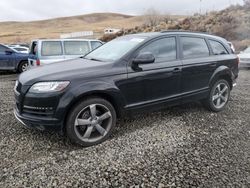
90,122
23,66
219,96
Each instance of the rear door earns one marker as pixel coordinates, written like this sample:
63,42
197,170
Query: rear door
75,49
198,64
159,81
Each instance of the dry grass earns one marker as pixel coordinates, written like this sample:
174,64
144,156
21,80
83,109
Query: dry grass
26,31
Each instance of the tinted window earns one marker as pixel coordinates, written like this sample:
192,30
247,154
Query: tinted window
76,47
51,48
95,44
162,49
2,49
218,48
194,47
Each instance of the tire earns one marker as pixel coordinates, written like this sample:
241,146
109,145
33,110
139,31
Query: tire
90,122
23,66
219,96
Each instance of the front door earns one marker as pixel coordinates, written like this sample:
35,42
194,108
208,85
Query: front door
159,81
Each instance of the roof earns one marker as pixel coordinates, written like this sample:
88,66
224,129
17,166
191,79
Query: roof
174,32
65,40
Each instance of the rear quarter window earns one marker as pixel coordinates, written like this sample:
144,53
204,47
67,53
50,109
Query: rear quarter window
52,48
194,47
95,44
217,48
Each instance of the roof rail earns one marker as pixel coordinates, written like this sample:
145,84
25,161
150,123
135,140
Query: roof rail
169,31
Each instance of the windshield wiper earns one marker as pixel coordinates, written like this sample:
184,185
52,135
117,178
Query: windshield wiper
94,59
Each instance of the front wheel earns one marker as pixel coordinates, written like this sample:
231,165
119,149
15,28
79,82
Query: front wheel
219,96
90,122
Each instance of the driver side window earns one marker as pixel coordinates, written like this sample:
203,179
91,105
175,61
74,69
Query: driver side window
163,49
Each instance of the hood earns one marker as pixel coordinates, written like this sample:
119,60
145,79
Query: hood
66,70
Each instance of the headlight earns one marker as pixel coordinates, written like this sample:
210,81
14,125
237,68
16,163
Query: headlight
48,87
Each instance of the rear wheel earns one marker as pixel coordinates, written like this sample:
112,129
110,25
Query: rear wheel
23,66
219,96
90,122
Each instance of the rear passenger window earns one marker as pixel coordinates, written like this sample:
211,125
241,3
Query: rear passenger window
51,48
95,44
194,47
218,48
76,47
162,49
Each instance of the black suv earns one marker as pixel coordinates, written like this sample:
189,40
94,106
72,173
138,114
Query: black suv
84,97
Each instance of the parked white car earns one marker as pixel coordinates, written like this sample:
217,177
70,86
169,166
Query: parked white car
43,52
245,58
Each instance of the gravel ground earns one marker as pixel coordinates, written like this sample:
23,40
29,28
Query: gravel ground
183,146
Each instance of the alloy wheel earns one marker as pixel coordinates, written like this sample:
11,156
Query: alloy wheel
93,123
220,95
24,67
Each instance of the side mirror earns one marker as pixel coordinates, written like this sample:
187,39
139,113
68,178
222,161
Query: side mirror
8,52
144,58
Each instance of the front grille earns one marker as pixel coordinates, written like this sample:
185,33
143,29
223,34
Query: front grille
38,111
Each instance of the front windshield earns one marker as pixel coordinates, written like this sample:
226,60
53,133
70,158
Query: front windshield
115,49
247,50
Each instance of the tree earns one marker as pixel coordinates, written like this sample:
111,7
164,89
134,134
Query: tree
246,3
152,17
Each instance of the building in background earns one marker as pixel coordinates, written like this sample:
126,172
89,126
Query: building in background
108,31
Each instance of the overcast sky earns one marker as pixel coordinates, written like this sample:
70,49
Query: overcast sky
26,10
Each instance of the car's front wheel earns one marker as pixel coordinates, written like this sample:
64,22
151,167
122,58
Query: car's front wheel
219,96
90,122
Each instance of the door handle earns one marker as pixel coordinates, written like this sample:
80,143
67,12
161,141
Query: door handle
177,70
213,65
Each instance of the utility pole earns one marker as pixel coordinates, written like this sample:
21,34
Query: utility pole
200,6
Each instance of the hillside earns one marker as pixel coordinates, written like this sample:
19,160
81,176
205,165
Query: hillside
26,31
232,23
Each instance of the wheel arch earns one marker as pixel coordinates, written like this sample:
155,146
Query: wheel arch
222,72
114,100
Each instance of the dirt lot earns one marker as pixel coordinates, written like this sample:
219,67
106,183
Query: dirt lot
178,147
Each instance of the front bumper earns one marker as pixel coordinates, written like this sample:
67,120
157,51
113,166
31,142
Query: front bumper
38,123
